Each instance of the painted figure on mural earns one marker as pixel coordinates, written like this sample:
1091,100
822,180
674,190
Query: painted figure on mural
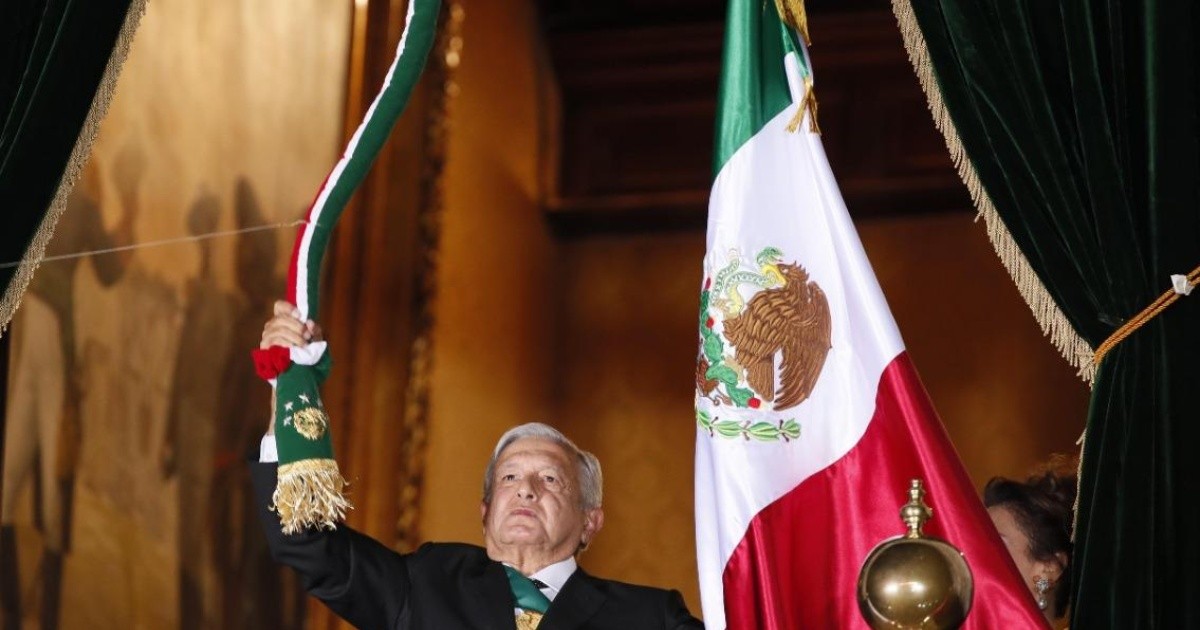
212,397
257,594
43,432
191,419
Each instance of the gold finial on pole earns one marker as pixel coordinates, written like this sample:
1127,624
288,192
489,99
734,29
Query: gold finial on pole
915,512
914,581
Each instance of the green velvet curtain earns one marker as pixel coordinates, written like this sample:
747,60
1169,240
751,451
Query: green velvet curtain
1079,119
58,65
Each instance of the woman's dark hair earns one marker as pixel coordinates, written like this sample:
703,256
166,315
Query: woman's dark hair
1043,506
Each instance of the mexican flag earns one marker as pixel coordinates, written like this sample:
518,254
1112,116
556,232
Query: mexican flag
811,419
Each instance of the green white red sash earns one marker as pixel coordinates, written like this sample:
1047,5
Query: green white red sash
310,489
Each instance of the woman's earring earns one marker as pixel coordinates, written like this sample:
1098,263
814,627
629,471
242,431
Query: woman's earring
1043,586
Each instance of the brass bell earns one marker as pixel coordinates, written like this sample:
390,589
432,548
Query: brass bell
915,581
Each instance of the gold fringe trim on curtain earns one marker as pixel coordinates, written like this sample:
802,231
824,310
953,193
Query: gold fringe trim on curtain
1052,320
11,299
310,494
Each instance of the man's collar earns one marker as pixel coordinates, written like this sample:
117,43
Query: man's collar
555,576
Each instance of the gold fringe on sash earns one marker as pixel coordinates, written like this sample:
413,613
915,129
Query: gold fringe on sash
310,494
11,300
1053,322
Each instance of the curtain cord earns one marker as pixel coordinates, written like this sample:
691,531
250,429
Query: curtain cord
1150,312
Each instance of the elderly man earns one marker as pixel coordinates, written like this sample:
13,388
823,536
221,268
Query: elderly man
541,506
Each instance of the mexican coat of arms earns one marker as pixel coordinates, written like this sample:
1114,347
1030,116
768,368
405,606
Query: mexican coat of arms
765,333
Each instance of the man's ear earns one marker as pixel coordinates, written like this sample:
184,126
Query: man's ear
593,520
483,508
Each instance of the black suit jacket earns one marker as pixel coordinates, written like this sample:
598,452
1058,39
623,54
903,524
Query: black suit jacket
447,586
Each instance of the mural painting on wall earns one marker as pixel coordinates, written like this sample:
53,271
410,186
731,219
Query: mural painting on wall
132,401
43,418
171,402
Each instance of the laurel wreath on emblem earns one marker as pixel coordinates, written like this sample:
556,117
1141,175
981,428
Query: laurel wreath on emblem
786,430
311,422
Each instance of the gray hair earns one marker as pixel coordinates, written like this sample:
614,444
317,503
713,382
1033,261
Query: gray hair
591,480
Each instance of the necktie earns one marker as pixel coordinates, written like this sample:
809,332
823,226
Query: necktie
530,600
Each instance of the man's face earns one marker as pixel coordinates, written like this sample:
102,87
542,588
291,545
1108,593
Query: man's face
536,503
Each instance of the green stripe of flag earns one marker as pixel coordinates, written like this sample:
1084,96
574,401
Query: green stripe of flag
753,81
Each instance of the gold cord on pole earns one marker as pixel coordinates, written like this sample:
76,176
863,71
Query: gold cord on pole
807,104
793,14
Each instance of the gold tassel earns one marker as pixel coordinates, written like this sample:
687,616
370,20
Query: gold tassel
11,300
807,104
793,14
1053,322
309,494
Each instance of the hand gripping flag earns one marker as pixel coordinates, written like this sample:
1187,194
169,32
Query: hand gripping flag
309,491
811,418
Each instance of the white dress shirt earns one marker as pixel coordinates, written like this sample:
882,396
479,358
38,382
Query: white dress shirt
267,452
555,576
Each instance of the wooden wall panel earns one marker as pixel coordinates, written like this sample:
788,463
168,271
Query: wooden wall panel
638,109
636,125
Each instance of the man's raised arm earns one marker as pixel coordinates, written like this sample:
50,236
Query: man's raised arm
357,577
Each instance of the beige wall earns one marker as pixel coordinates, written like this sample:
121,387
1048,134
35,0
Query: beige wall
627,349
493,336
597,334
1006,396
627,352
